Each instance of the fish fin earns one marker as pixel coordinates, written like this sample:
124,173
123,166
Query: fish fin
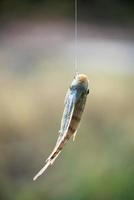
59,137
48,163
50,160
66,97
74,135
68,119
63,135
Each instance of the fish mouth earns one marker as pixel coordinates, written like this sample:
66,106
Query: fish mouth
82,78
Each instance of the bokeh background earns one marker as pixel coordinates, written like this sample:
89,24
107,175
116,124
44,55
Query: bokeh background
36,69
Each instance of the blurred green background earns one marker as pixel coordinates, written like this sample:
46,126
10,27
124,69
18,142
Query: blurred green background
36,69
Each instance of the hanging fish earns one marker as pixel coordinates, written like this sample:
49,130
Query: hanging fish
74,105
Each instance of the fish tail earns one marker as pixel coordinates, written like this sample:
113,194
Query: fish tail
74,135
49,162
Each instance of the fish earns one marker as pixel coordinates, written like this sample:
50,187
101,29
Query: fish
74,105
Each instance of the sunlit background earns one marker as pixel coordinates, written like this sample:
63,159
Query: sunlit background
36,69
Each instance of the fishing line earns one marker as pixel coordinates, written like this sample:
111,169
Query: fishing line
76,36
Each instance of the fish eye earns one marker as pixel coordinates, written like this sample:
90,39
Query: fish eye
88,91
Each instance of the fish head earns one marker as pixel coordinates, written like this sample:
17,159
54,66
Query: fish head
79,86
80,81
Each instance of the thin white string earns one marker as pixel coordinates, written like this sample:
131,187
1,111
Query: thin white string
76,37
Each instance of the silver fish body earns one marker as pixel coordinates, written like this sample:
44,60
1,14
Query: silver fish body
74,106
